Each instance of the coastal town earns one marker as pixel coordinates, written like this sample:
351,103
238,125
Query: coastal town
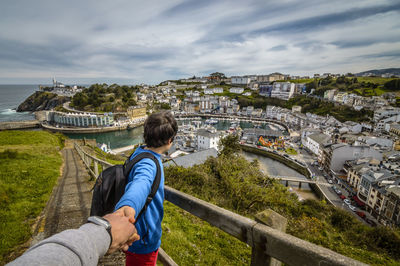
359,160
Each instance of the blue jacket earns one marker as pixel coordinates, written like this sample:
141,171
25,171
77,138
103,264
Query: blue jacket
138,188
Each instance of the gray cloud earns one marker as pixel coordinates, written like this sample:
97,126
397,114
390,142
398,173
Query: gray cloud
155,40
323,21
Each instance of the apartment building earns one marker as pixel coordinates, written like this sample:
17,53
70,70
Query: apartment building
207,138
236,80
80,119
236,90
334,156
316,142
282,90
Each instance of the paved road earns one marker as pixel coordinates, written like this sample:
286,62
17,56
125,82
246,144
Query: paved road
308,158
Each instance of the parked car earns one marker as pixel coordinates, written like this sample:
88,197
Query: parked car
330,181
347,201
337,190
342,197
361,214
351,207
320,168
370,222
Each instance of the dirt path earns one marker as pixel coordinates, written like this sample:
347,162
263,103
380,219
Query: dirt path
69,204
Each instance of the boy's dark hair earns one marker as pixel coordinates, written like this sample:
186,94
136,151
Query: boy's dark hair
159,128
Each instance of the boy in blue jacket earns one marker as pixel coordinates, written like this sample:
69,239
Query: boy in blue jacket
159,132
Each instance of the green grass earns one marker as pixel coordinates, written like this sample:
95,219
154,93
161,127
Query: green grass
291,151
376,80
30,165
108,157
190,241
297,80
368,92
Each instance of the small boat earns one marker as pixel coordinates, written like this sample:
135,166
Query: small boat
211,121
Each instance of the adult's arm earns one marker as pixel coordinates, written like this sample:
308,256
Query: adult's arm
83,246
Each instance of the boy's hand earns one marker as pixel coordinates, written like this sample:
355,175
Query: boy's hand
126,211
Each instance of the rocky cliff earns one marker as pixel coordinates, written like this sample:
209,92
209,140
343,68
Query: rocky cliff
42,100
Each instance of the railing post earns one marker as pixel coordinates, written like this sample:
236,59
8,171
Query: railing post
96,168
276,221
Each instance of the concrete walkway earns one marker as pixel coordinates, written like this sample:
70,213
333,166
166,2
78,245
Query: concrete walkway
69,204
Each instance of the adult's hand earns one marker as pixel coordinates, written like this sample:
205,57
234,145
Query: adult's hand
123,232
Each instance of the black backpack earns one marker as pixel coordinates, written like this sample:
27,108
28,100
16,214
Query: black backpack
110,186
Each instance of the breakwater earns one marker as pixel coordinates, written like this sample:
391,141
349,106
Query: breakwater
78,130
19,125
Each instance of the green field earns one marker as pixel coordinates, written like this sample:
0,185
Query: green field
30,165
368,92
376,80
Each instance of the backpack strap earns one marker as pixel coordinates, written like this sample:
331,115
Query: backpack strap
128,165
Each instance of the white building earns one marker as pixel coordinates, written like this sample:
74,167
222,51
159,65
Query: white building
218,90
80,119
315,143
207,139
208,91
240,80
329,94
336,155
283,90
385,113
236,90
205,106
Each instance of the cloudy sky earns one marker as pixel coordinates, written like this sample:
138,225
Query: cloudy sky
131,42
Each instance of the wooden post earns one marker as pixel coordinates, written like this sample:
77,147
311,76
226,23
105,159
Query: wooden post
90,162
276,221
96,168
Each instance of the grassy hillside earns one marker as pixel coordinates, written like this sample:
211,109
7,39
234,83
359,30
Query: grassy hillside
29,167
105,98
364,86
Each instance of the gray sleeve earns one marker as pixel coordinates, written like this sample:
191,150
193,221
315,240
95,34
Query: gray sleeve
83,246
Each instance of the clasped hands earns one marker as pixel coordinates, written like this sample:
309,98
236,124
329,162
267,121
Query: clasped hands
123,230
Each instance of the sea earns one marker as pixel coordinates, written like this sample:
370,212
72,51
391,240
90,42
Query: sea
11,96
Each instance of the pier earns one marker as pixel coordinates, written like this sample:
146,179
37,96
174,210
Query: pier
12,125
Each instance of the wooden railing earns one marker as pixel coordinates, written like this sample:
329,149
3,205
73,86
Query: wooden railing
89,159
266,242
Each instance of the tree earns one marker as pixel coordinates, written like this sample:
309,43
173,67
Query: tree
165,106
80,100
229,145
394,84
217,76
